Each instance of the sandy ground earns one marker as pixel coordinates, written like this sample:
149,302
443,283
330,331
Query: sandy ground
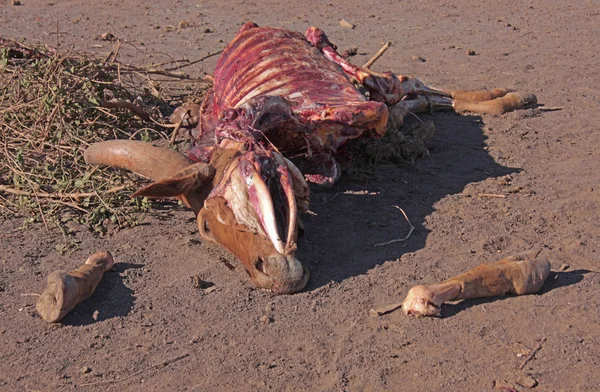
547,162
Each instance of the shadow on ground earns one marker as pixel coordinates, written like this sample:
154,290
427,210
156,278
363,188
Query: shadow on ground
112,298
347,222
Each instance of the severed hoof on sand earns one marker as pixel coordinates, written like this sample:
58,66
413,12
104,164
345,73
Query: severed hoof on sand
521,274
68,289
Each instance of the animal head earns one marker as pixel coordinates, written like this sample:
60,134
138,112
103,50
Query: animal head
244,201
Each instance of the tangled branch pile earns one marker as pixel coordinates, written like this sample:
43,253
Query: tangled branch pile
52,106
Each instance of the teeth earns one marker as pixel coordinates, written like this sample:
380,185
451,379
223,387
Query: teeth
250,199
265,206
284,178
301,189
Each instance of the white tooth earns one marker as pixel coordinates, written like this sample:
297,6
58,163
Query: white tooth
301,189
291,199
266,208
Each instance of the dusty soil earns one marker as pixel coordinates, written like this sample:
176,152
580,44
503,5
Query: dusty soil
547,162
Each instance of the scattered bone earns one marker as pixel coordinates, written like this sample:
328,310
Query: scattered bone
375,312
108,37
345,24
187,114
266,319
201,284
210,289
532,353
68,289
521,274
493,195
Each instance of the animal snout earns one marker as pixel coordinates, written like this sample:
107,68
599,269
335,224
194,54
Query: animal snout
286,274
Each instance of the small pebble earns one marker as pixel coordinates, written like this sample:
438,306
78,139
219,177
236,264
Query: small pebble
417,58
95,315
471,52
85,370
266,319
528,382
16,2
107,37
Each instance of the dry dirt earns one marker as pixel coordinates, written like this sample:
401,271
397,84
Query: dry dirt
547,162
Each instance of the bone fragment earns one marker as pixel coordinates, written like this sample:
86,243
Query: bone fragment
68,289
521,274
345,24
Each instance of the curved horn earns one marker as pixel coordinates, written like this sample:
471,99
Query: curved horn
142,158
174,175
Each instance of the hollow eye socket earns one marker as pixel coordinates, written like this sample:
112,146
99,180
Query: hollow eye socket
205,226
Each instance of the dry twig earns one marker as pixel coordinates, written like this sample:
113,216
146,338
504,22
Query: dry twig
377,55
162,364
412,228
532,353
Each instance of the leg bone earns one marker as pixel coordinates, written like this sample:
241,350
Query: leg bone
68,289
521,274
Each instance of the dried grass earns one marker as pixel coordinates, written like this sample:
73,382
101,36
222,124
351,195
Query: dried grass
52,106
402,144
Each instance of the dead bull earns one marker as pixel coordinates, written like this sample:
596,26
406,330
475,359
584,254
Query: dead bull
277,93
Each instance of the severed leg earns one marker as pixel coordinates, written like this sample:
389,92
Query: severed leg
389,88
68,289
521,274
507,103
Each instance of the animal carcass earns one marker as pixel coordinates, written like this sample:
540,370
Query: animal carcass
278,97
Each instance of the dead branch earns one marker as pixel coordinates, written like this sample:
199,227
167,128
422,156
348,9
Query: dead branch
412,228
377,55
137,109
532,353
58,195
178,125
330,199
196,61
162,364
